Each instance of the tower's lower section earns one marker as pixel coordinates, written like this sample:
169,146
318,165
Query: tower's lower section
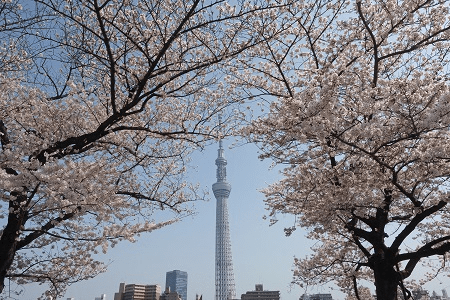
225,287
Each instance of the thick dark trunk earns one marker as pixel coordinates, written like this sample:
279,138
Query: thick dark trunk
9,238
386,278
8,246
6,259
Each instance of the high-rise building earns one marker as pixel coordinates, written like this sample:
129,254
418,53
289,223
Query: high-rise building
138,292
225,287
102,297
177,280
260,294
316,297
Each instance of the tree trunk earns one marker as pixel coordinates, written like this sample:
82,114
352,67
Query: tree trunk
8,245
386,278
6,259
9,238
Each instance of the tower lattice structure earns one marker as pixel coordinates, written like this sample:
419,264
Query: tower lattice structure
225,287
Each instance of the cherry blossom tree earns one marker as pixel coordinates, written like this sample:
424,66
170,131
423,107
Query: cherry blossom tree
359,118
101,104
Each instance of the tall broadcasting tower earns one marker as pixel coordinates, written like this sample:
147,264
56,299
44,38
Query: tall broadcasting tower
225,288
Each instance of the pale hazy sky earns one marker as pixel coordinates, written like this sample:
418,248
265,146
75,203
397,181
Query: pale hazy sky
261,253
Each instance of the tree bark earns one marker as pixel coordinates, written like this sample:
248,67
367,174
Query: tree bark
9,237
386,277
8,245
7,253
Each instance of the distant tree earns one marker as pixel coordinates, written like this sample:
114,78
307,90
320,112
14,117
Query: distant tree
361,122
101,104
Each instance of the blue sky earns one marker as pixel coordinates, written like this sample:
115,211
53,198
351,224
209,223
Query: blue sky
261,253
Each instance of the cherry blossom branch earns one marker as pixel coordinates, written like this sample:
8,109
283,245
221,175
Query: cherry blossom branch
355,287
112,63
45,228
424,251
412,225
374,43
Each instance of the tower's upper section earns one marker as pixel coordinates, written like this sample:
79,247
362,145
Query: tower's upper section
221,188
221,163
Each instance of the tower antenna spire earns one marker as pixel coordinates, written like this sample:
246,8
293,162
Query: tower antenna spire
224,279
220,131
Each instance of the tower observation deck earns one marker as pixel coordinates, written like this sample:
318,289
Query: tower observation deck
225,287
